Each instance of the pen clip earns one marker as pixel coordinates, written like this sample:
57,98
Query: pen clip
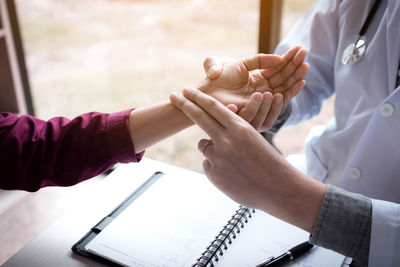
268,260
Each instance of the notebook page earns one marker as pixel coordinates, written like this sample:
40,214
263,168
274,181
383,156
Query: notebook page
171,224
266,236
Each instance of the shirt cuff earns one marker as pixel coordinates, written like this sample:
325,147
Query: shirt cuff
344,224
118,138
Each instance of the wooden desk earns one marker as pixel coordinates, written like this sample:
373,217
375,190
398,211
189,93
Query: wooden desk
53,246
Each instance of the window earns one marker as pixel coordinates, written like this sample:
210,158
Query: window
109,55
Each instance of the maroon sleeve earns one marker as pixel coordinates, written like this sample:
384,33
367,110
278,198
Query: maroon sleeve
36,153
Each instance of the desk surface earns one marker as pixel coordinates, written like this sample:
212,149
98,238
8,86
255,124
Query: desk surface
53,246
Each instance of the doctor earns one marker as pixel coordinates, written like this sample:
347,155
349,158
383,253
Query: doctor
359,149
354,52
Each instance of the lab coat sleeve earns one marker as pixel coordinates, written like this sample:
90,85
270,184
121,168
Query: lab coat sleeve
317,31
385,234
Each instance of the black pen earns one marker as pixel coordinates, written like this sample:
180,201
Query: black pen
290,255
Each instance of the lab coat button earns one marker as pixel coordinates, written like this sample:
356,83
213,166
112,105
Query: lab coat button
354,173
386,110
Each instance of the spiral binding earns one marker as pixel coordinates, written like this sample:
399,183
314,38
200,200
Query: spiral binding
225,236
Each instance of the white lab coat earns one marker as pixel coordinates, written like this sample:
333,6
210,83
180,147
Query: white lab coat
360,147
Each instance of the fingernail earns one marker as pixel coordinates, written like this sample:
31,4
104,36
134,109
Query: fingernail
268,93
257,97
279,98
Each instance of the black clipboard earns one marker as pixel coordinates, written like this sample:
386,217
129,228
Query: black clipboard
79,247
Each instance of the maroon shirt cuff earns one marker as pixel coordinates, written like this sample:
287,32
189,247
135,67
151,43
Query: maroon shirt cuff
118,138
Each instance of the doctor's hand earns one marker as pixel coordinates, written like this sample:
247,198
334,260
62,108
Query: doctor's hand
232,81
246,167
261,110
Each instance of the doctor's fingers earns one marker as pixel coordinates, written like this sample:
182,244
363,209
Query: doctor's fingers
262,61
250,110
206,147
212,108
198,115
207,167
263,112
274,111
213,67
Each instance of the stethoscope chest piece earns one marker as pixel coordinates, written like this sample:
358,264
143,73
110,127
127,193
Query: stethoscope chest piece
354,52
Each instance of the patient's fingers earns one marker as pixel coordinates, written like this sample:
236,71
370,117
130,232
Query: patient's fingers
293,91
275,109
262,61
286,76
287,57
301,72
212,67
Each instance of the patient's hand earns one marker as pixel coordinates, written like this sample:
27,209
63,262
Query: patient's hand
233,81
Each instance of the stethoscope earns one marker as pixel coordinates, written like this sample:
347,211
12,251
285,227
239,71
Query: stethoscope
356,50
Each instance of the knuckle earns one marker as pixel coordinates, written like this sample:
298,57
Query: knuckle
198,115
178,102
226,142
242,127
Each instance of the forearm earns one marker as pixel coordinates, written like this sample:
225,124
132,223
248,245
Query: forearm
280,189
294,197
151,124
344,224
337,219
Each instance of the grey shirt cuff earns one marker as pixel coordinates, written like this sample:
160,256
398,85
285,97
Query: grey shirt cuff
344,224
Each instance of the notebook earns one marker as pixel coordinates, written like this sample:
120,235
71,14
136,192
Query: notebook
179,218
